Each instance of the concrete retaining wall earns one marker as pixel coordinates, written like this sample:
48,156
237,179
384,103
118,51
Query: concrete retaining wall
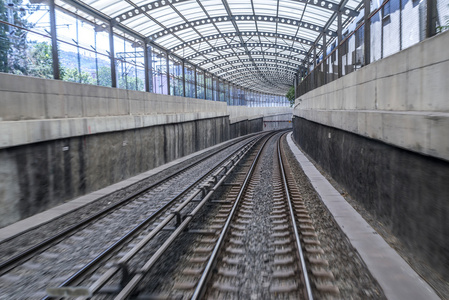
35,177
382,133
406,191
400,100
60,140
281,121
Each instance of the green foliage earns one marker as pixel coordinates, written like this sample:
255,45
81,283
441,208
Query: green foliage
4,40
291,96
12,40
445,26
73,75
129,83
40,60
104,76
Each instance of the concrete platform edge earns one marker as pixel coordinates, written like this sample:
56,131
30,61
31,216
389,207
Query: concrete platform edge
397,279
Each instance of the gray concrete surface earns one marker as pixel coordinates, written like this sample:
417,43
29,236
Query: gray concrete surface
398,280
36,110
405,191
78,202
401,100
60,140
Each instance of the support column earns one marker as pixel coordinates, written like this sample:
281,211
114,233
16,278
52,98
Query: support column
212,80
183,79
430,18
340,48
367,31
196,91
314,75
218,89
168,72
400,25
324,59
147,58
205,88
54,42
112,56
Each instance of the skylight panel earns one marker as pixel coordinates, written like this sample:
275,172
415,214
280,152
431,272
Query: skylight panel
225,27
206,30
188,34
214,8
239,7
191,10
246,25
167,16
114,9
187,52
145,29
264,8
266,26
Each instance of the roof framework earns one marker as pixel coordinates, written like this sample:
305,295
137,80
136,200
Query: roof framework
257,44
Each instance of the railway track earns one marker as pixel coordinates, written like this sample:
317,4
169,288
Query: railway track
263,247
240,231
74,247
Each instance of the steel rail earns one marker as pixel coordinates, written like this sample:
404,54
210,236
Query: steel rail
199,290
294,225
105,277
26,254
132,284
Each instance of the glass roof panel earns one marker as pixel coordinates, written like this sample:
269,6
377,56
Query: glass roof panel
187,28
246,25
115,8
239,7
191,10
214,8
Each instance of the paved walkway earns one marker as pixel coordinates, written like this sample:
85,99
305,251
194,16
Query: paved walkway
398,280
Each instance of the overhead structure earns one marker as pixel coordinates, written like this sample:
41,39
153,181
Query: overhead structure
256,44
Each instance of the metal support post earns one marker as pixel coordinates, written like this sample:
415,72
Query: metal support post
314,84
183,79
146,59
430,18
218,89
196,92
400,25
205,89
54,42
167,61
112,56
367,35
324,59
340,48
212,80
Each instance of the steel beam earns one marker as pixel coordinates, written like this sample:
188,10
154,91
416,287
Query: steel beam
112,57
367,33
54,42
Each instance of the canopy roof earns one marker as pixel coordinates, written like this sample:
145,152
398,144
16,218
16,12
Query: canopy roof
258,44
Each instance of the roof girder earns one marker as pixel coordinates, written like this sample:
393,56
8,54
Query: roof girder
322,4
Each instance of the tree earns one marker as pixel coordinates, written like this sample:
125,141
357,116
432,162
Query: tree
12,39
40,60
74,76
291,96
104,76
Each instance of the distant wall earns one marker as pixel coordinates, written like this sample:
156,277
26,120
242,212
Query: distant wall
281,121
382,132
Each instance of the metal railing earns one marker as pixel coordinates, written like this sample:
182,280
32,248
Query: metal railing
392,27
